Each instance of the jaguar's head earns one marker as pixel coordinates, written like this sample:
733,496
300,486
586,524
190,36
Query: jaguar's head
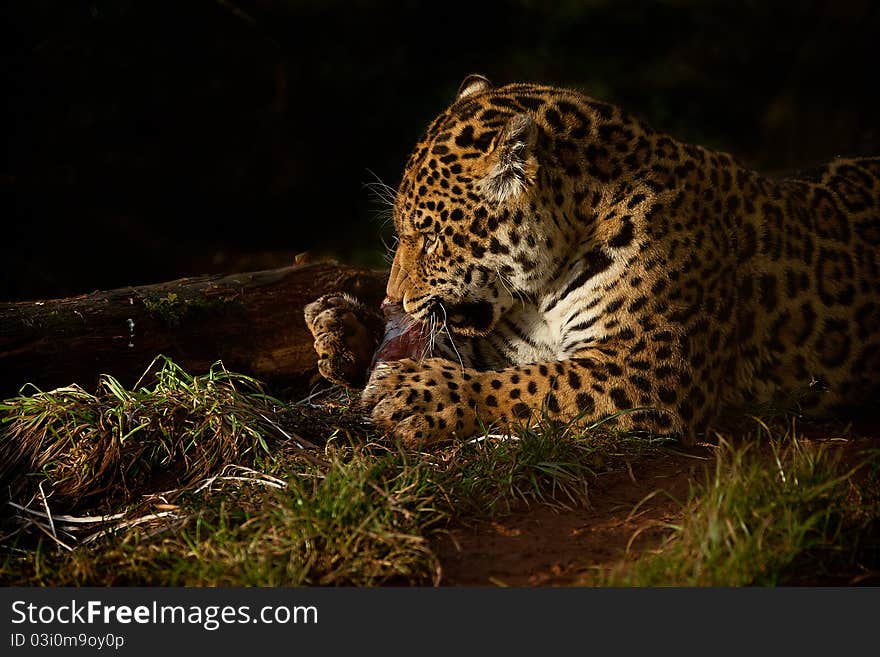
473,231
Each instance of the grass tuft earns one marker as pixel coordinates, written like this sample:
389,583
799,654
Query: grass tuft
548,462
116,444
751,524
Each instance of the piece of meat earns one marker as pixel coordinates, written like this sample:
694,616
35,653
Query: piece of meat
404,337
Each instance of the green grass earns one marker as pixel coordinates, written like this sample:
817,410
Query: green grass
549,463
362,521
338,508
114,444
357,514
209,481
779,511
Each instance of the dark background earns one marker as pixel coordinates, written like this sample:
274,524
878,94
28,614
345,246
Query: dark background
148,140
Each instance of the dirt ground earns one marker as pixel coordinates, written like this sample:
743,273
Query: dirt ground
546,547
628,515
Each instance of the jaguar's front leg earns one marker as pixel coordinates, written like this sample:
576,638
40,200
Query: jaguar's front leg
436,399
421,402
346,334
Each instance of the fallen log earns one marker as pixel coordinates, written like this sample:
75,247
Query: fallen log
253,322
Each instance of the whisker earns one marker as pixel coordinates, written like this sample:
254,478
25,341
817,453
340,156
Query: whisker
390,250
449,334
382,192
503,282
384,195
511,289
429,346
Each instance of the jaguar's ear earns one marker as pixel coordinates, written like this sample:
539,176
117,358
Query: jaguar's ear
473,84
512,161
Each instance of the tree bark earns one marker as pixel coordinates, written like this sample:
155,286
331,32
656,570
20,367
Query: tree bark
253,322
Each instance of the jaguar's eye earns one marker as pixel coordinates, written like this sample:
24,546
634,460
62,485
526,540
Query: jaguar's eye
428,241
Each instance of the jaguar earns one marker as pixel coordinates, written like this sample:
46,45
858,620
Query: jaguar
572,263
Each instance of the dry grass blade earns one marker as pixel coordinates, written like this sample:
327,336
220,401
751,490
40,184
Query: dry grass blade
298,444
48,512
68,519
247,475
134,522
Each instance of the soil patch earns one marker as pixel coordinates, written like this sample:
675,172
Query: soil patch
543,546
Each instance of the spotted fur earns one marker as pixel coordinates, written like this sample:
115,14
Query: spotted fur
346,334
585,264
